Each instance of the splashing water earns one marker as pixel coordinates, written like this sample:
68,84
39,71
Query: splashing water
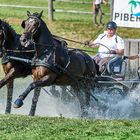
105,108
47,105
110,108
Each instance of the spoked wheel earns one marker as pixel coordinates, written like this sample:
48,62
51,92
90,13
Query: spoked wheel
116,94
104,70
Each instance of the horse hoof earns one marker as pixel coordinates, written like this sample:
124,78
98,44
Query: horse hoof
18,103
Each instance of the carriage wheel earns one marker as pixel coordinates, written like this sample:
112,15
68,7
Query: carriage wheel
116,94
104,69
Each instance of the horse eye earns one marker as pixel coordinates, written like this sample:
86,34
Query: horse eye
36,23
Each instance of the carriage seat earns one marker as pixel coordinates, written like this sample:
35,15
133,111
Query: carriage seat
116,67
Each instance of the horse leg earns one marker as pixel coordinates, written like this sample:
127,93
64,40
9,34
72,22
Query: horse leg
9,97
3,82
45,81
83,95
34,101
88,85
7,77
87,97
81,99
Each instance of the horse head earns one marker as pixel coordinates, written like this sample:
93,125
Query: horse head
32,23
35,30
9,39
30,26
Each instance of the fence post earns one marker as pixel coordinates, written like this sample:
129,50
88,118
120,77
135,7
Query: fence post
111,9
132,47
50,10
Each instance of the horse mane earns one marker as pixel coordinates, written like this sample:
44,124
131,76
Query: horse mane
8,26
12,38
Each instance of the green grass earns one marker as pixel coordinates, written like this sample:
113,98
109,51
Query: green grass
24,2
78,28
73,26
16,127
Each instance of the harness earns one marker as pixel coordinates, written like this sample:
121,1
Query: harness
105,35
49,59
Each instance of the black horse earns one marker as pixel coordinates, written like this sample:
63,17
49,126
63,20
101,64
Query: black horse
54,64
14,62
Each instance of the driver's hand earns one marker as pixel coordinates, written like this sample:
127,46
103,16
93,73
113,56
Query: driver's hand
139,55
87,42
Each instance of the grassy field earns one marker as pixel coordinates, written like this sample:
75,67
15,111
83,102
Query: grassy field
79,28
58,128
75,26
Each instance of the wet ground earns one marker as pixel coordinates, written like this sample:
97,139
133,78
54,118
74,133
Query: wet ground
48,105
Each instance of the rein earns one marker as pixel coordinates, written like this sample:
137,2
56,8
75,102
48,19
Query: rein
77,41
80,43
69,40
41,44
20,51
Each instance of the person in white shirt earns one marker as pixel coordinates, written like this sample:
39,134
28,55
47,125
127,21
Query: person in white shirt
109,43
97,11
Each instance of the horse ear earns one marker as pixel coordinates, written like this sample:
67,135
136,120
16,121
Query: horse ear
40,15
28,13
23,24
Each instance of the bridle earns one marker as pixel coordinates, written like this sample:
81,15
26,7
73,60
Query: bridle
3,38
29,28
3,49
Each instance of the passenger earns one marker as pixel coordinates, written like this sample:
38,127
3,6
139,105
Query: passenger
109,43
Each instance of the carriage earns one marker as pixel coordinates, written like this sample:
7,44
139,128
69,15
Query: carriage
115,81
80,74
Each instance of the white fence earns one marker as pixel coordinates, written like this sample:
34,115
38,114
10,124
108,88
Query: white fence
51,8
132,47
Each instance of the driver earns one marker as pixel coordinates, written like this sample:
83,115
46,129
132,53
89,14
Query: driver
109,43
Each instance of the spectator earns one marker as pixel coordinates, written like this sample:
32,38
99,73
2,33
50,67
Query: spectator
97,11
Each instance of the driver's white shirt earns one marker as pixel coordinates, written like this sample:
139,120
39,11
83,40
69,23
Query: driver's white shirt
113,43
97,1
